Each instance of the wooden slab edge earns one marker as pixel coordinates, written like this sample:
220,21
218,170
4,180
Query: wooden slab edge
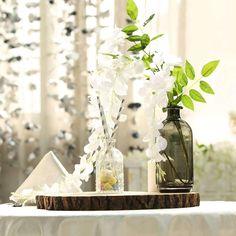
118,202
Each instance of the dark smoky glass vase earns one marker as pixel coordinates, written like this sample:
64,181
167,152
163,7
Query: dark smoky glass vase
178,166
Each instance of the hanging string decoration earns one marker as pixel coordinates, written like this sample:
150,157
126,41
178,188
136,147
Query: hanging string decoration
19,40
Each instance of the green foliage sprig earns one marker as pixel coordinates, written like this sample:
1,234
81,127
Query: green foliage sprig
184,90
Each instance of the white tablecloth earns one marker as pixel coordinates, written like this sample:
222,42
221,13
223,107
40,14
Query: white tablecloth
210,219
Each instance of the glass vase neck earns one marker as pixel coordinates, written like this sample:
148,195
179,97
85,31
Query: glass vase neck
173,112
110,142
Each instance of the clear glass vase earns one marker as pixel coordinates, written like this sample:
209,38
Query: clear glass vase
110,170
178,166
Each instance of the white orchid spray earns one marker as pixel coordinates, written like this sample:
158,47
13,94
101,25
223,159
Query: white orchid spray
109,85
154,93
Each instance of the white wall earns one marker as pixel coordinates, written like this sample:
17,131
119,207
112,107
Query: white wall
210,33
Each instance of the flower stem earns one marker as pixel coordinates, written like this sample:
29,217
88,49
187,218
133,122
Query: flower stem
184,147
173,168
192,85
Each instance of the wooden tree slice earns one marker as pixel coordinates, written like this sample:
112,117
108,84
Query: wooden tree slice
127,201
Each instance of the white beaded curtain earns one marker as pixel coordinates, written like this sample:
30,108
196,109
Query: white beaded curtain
58,86
47,49
19,75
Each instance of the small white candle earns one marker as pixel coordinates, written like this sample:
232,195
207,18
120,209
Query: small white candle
152,183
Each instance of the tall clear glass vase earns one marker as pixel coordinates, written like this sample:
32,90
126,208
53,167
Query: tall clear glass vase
110,170
178,166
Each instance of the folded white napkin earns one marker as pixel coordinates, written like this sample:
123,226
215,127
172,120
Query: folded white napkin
48,172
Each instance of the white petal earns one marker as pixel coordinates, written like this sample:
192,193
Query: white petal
158,157
116,102
87,148
138,67
123,118
90,147
162,143
149,152
120,87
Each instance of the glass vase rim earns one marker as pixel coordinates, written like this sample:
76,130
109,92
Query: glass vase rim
174,107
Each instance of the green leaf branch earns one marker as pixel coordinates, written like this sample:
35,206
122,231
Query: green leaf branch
141,41
184,90
187,87
132,9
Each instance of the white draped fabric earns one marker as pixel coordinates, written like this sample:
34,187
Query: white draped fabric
210,219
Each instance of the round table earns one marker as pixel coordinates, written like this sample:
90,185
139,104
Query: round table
210,219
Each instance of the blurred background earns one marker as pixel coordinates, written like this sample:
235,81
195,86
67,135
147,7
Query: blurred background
47,49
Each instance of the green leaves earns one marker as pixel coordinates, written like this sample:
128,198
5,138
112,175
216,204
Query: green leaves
134,38
136,48
147,60
114,56
178,88
189,70
148,20
187,94
187,102
156,37
129,29
175,71
131,9
195,95
145,40
177,100
182,78
205,87
141,41
209,68
170,96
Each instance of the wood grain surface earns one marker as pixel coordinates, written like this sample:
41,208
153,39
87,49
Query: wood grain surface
127,201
